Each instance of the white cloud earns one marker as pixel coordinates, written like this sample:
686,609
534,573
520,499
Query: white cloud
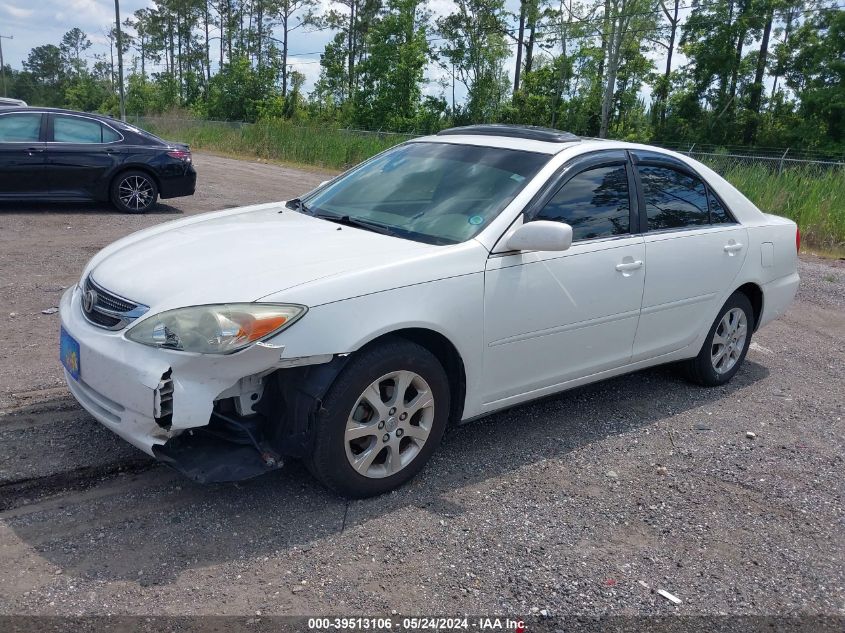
15,11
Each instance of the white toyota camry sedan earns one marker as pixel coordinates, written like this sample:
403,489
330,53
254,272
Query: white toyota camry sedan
442,280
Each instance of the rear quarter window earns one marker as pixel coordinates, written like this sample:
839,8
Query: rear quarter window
718,213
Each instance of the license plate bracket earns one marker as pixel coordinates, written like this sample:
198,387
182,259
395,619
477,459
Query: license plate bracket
69,354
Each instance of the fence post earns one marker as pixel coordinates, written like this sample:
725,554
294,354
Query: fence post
780,166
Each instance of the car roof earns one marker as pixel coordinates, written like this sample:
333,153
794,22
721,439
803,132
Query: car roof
535,139
528,138
36,109
504,142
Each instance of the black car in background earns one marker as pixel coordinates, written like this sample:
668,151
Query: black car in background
52,154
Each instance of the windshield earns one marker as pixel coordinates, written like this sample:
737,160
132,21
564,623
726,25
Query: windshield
437,193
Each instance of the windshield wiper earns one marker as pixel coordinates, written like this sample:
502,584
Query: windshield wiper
367,225
297,205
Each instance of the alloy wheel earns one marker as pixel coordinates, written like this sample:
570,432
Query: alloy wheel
389,424
729,340
135,192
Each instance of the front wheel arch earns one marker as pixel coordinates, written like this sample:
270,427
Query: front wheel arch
330,460
445,352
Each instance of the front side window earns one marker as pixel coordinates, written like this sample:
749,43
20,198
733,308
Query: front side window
594,203
68,129
673,199
23,127
439,193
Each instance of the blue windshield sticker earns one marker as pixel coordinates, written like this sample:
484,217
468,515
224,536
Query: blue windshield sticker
476,220
517,177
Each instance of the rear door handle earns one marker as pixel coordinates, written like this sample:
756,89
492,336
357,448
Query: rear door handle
626,266
33,150
733,247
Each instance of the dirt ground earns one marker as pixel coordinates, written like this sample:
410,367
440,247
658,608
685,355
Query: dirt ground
556,506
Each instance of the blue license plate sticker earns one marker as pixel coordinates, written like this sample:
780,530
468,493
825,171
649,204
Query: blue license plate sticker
69,354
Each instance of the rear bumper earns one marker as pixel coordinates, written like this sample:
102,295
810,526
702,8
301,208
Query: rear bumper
777,295
176,186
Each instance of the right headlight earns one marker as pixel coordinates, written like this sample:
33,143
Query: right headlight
215,329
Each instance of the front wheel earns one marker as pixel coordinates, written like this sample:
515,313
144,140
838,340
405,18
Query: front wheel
134,192
382,419
726,344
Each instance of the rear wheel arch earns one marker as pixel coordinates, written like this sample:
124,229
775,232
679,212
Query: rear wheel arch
755,295
124,169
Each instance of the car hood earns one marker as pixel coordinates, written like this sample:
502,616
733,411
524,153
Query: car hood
241,256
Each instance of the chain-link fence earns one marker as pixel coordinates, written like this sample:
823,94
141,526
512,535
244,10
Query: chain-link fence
775,160
721,158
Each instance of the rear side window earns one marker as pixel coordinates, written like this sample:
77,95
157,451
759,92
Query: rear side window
23,127
673,199
594,203
68,129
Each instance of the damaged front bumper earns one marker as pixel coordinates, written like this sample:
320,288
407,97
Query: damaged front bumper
214,418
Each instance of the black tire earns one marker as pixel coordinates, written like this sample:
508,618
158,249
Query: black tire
139,181
329,462
701,369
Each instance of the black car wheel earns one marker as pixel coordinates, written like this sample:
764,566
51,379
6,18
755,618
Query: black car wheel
381,420
134,192
726,344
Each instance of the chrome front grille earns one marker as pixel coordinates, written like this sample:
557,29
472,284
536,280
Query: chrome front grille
106,309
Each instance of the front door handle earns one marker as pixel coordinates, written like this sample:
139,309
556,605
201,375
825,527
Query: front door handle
733,247
626,266
33,150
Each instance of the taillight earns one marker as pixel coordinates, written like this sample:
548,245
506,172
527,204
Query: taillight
797,239
180,154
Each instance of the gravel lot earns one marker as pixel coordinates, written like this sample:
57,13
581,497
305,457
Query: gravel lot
558,506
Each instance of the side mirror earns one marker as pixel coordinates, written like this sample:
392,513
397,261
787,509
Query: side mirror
541,235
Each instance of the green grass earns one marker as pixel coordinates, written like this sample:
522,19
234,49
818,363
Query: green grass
313,145
814,198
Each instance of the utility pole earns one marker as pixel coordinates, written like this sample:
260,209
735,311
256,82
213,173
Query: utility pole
119,59
453,91
2,63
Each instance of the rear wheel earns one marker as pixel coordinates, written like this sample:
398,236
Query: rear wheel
726,344
383,418
134,192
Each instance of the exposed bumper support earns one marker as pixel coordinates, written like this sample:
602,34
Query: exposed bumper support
232,447
169,404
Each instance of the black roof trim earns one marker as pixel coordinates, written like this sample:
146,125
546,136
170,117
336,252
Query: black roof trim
531,132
